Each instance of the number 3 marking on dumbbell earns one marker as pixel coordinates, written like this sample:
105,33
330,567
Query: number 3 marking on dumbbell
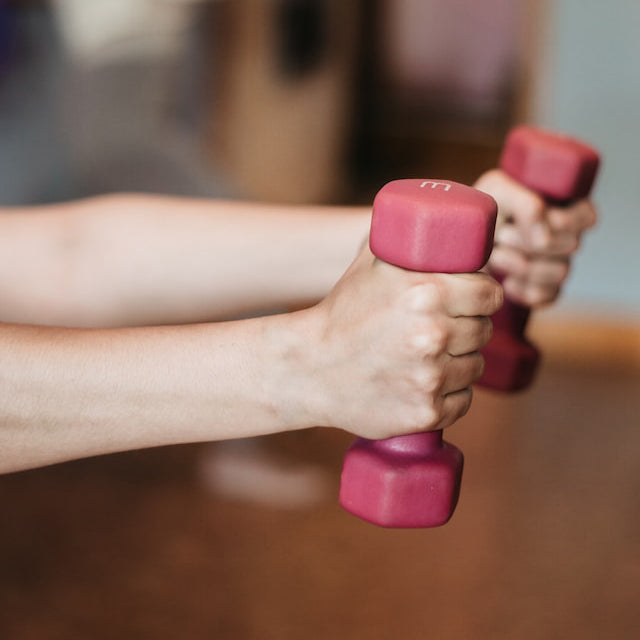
435,185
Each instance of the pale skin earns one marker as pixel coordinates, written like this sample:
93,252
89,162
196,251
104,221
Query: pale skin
534,242
121,332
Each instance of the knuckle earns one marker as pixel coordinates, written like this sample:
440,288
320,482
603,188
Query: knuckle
427,416
424,296
439,338
429,341
429,380
418,417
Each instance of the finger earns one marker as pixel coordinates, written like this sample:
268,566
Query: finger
548,271
575,218
468,334
511,235
454,406
556,244
530,294
469,294
543,270
509,261
461,372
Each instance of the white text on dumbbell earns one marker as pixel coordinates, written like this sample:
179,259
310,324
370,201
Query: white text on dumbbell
435,185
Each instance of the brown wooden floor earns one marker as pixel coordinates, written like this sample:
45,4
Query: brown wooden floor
545,542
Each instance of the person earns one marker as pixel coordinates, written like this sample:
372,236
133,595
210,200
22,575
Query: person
132,320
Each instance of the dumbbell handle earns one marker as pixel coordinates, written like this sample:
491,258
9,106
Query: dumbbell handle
512,317
561,169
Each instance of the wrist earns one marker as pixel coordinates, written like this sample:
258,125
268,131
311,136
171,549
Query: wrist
292,356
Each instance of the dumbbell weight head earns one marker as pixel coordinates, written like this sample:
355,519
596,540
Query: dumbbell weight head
560,168
433,226
407,481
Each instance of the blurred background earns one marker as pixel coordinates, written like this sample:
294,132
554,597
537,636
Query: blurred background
323,101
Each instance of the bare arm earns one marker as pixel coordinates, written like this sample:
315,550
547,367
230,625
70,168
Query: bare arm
387,352
130,259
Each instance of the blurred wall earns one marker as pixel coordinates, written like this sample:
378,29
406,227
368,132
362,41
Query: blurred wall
460,54
282,120
99,96
589,85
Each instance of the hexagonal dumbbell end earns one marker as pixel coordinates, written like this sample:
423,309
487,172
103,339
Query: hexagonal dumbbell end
429,226
560,169
408,481
434,226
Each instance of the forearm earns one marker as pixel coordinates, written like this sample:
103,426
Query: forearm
387,352
69,393
137,259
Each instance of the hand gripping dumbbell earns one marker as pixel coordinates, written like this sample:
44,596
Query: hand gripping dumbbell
428,226
561,170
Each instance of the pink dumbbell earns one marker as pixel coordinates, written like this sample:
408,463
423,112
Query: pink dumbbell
560,169
428,226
